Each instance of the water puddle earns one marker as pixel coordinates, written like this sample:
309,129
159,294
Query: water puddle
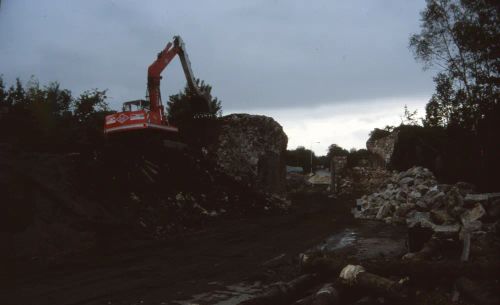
366,242
338,241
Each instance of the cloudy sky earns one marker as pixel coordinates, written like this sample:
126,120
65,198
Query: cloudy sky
328,71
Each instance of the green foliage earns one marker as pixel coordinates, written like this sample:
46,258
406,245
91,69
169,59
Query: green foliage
409,117
322,161
336,150
3,93
89,103
300,157
182,107
48,118
358,157
378,133
462,38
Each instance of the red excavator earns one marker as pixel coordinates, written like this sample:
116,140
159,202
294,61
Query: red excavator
149,115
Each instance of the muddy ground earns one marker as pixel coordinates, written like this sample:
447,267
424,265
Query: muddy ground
227,262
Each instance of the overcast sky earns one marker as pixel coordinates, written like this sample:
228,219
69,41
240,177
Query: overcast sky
328,71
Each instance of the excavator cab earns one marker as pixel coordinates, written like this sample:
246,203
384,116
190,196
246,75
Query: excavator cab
135,105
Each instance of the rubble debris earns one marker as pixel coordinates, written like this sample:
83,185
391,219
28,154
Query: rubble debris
361,180
472,215
476,198
414,198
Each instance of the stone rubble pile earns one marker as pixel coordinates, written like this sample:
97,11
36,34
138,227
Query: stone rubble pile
414,198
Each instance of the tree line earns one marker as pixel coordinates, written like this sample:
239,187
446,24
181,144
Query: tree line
49,118
301,157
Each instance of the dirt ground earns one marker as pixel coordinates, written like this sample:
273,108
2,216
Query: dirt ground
225,263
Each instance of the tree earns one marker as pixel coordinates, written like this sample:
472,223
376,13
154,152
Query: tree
90,109
90,103
357,157
409,117
300,157
16,95
48,118
3,93
462,38
181,107
336,150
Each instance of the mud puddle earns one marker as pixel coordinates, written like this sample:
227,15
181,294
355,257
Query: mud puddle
366,240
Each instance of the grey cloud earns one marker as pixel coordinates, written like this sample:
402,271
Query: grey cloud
255,54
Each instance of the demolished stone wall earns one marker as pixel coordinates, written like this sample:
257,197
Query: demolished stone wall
362,180
251,149
337,168
383,147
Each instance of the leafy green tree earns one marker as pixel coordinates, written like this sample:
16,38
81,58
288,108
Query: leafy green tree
90,109
300,157
378,133
462,38
336,150
3,93
357,157
182,107
409,117
89,104
16,95
48,118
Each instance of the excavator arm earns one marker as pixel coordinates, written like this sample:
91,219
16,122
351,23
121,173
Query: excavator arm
155,69
154,118
186,65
